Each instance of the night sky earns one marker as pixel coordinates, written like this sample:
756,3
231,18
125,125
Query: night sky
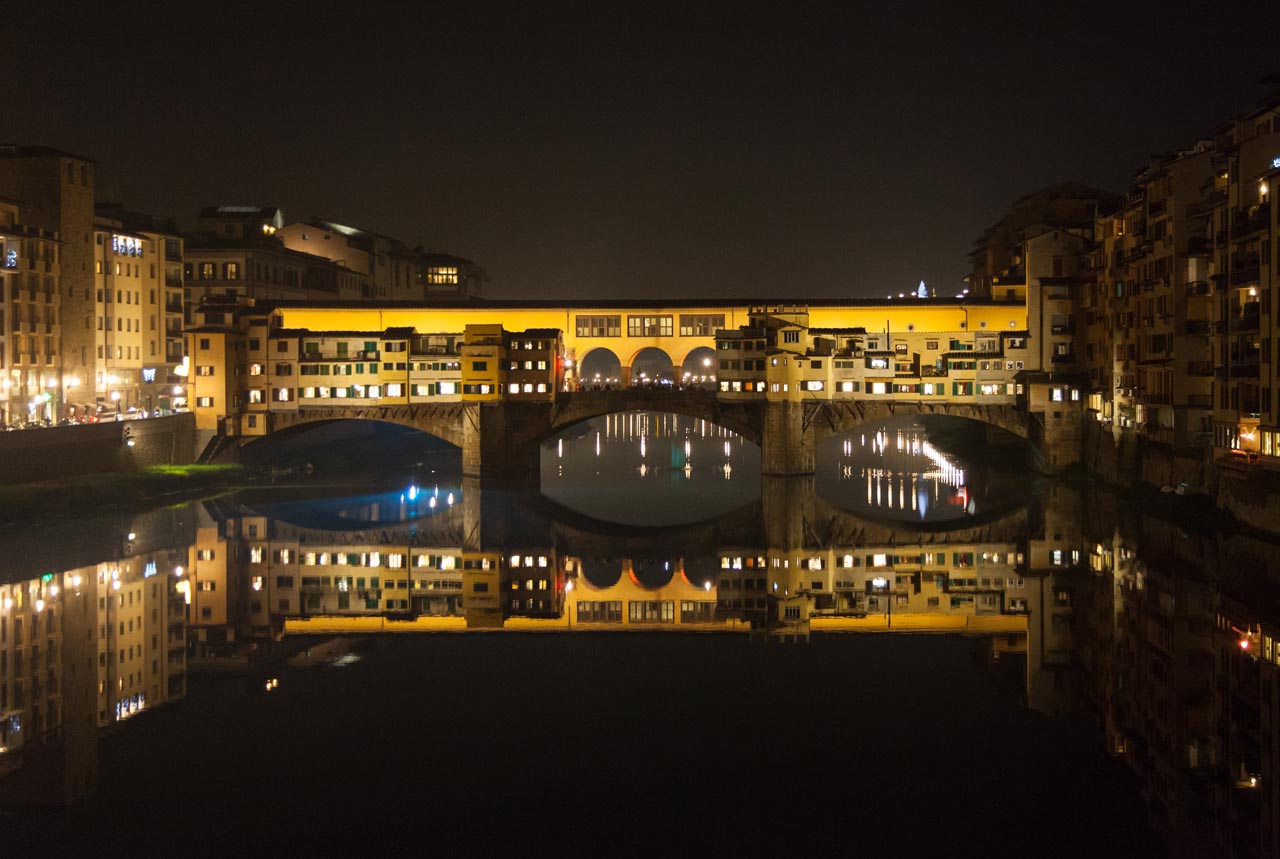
602,149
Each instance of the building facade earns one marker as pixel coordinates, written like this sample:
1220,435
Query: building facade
31,379
54,192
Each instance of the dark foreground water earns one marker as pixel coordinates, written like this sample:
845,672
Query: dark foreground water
660,652
611,745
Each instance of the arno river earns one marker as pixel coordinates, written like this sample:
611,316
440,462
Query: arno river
916,649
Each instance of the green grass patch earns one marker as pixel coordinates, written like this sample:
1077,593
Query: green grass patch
114,491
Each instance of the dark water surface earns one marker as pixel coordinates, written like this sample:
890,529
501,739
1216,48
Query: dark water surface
662,652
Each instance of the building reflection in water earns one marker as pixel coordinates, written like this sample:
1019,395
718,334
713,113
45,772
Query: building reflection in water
81,650
1170,641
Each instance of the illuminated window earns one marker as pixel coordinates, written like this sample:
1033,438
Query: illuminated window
599,326
700,326
445,274
255,395
649,326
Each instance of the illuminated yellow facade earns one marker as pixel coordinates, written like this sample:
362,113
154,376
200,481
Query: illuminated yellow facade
677,330
917,350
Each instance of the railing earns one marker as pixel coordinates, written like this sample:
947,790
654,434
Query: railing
1246,323
1202,401
1197,287
1138,251
331,356
1259,220
1200,368
1198,326
1244,274
1245,370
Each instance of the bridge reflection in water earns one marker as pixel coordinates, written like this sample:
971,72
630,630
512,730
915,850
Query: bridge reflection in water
1166,638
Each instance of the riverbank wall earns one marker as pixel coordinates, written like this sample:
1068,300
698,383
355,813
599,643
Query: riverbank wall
1248,491
43,454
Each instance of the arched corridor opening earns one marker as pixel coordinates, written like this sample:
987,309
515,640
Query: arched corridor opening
699,369
652,367
599,368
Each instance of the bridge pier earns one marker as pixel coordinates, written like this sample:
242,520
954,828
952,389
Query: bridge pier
787,442
787,510
501,439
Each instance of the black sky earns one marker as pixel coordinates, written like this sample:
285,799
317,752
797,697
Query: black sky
606,149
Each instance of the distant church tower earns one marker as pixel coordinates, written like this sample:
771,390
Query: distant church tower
922,291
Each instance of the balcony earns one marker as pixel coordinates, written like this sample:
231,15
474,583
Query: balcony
173,306
1198,326
1012,277
1137,252
1200,368
173,280
1243,275
350,356
1245,369
1199,246
1200,401
1198,287
1063,359
1156,208
1251,220
1246,321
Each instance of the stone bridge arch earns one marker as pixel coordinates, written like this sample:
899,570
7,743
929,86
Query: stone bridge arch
833,418
701,405
444,421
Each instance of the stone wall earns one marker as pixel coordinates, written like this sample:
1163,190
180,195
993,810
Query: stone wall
40,454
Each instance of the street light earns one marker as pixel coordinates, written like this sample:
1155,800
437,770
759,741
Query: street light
568,615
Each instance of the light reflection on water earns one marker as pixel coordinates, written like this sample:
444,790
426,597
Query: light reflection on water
895,473
416,500
650,469
653,469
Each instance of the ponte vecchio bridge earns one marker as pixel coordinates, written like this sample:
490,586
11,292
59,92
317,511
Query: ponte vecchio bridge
499,378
